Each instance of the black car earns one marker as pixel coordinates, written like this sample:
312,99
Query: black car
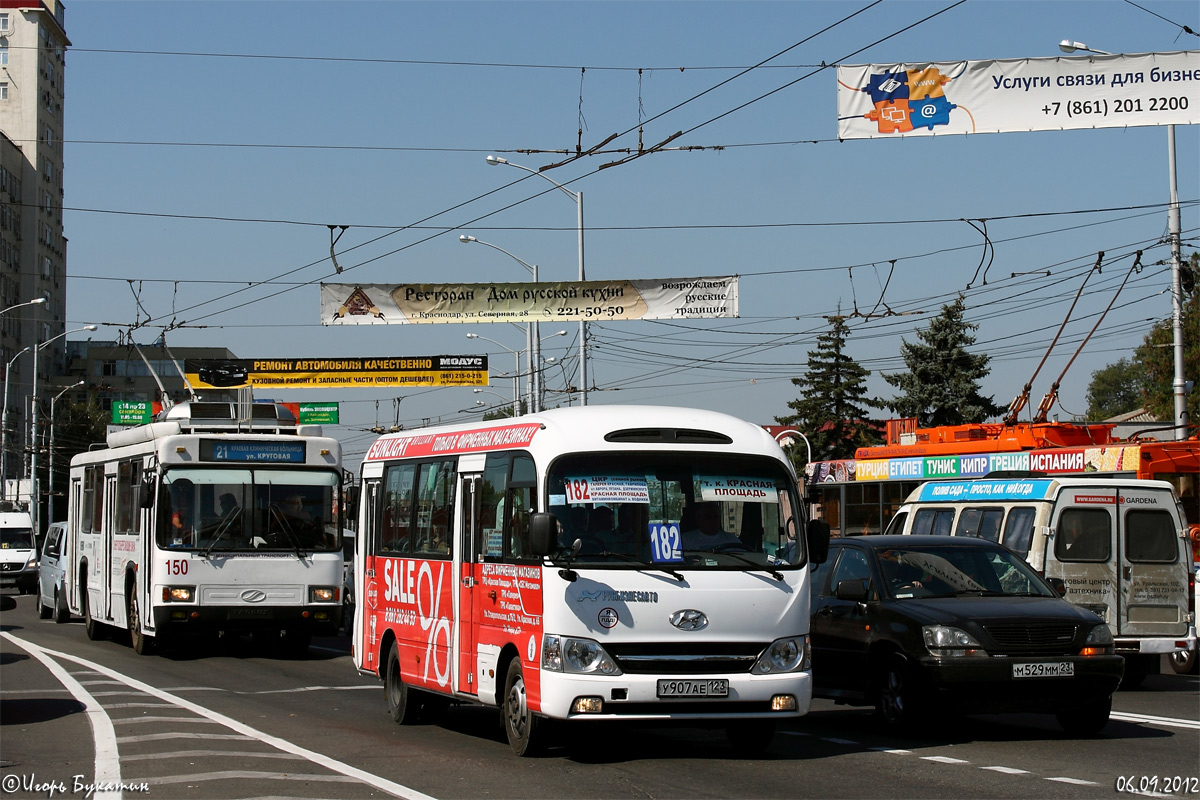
918,625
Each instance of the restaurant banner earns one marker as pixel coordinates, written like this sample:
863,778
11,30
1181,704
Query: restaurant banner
1018,94
337,373
406,304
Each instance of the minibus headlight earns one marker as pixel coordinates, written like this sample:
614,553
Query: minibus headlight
945,641
1099,642
783,655
178,594
33,563
577,656
322,594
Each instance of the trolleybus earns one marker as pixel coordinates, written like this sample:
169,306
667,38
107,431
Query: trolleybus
201,523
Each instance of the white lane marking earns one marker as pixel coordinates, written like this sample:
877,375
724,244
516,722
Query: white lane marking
1170,722
140,720
154,737
315,689
1008,770
944,760
249,775
1075,781
893,750
391,787
108,763
208,753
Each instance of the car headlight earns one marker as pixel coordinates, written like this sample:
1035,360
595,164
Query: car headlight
33,563
944,641
783,655
578,656
1099,642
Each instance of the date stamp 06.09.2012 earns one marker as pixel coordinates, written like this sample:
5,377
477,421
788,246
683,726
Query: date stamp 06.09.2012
1158,784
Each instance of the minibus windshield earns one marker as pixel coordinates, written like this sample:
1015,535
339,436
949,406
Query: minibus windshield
677,510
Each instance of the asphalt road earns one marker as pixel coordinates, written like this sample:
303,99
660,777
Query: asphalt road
239,721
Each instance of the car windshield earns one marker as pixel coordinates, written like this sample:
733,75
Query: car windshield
16,538
948,571
671,511
221,510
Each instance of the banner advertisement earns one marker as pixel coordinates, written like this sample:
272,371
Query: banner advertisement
337,373
1019,94
130,413
318,414
568,301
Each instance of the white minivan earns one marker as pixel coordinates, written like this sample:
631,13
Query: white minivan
1120,548
52,577
18,552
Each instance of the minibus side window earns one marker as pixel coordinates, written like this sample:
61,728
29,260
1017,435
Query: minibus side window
397,509
936,521
983,523
1018,530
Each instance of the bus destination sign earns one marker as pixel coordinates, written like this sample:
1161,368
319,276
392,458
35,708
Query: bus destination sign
260,452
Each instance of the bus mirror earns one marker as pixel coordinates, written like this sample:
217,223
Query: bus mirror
146,493
543,534
817,538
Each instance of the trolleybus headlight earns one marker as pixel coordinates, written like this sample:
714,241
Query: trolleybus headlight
1099,642
580,656
783,655
178,594
322,594
944,641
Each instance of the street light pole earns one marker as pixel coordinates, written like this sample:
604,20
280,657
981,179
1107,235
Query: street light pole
53,401
1178,385
533,330
35,499
516,373
4,424
578,198
37,301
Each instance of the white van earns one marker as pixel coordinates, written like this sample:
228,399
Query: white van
52,574
1119,546
18,552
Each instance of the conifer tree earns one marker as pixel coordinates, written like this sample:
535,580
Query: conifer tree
832,408
941,386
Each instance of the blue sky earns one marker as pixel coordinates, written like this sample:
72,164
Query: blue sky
378,115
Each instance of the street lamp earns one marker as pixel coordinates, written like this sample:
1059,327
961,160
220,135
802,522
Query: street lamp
1178,385
516,372
578,198
4,422
33,459
37,301
50,502
531,329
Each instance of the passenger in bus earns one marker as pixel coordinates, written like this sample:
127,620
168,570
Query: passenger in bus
708,533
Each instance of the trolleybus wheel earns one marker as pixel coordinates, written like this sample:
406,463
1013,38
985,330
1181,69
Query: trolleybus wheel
142,644
93,629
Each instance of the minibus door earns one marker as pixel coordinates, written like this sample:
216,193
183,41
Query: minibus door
365,643
1152,571
470,546
1083,552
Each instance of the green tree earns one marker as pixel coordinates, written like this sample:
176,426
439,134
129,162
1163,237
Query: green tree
504,412
77,426
941,386
832,408
1147,380
1156,357
1116,389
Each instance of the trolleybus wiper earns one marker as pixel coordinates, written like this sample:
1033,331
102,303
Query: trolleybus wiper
222,528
